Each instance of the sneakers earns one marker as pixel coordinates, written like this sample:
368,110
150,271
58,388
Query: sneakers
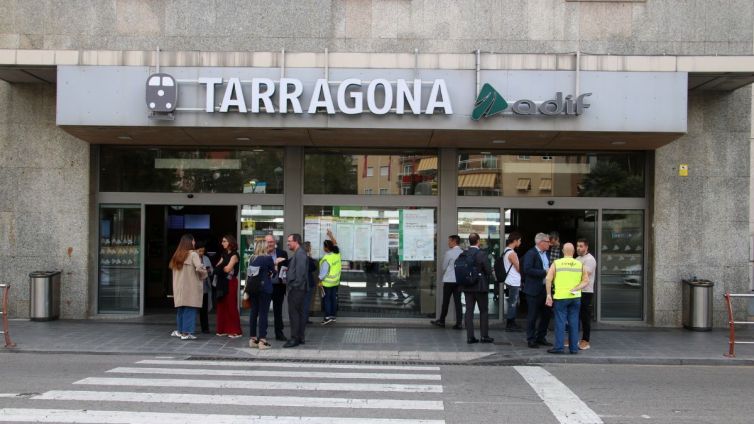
175,333
328,320
584,345
234,336
263,345
253,343
188,337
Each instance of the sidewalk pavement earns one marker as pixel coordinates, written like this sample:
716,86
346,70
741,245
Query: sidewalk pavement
379,343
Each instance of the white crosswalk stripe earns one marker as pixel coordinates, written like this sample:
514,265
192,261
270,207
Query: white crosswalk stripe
250,385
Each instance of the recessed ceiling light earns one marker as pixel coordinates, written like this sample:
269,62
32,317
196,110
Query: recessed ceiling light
485,153
124,137
243,139
618,143
258,150
498,142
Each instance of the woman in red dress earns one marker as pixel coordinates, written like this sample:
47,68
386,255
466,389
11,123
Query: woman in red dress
228,318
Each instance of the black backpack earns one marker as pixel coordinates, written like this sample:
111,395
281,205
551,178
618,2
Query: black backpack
254,279
500,272
465,268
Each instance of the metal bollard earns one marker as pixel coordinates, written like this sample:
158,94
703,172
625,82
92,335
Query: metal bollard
4,313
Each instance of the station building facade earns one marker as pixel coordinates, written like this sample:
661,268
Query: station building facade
395,124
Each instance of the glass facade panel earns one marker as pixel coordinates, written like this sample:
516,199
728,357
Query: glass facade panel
621,265
486,223
257,222
119,259
572,175
388,256
336,172
130,169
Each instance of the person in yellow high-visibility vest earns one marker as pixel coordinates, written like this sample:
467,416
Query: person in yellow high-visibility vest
569,277
329,277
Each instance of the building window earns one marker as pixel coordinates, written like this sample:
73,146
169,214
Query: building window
407,168
546,157
524,157
384,171
545,184
523,184
384,191
367,191
370,171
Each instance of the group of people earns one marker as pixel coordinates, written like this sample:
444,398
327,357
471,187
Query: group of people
551,277
275,274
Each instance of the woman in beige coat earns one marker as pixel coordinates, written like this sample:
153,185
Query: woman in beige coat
188,274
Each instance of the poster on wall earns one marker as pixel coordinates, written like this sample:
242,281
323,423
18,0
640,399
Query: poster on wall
379,241
417,235
344,234
362,241
312,235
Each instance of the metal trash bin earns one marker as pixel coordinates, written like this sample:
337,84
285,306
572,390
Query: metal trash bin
697,304
44,295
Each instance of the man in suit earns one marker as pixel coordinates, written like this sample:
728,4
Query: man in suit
478,293
535,265
278,285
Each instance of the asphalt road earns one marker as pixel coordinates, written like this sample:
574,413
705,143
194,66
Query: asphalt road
112,388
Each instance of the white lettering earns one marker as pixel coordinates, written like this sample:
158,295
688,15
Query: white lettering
371,101
322,89
209,105
234,86
357,96
264,96
403,96
285,96
439,88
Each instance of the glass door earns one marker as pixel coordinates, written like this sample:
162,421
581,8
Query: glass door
119,268
621,265
486,223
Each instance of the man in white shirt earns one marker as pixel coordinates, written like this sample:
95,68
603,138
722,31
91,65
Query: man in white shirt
585,313
449,285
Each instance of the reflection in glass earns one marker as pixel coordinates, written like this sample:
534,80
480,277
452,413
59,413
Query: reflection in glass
256,223
335,172
119,259
486,223
584,175
376,281
171,170
621,264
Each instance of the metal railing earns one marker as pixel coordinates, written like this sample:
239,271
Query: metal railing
732,337
4,312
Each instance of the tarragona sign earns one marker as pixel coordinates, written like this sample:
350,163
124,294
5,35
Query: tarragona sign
399,97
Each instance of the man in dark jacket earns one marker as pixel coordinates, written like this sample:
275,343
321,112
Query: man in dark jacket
477,294
297,281
278,285
535,265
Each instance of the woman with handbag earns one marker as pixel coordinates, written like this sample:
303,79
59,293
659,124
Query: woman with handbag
228,318
259,293
188,274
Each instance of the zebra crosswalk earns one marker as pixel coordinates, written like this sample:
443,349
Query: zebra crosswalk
166,390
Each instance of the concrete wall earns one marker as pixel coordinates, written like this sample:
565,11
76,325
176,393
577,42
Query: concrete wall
701,222
44,198
654,27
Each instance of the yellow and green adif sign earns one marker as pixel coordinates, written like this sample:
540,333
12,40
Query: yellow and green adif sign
489,102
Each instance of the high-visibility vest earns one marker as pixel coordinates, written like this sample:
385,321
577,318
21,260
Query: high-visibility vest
332,279
568,273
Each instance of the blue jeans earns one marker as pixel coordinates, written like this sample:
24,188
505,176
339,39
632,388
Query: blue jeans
260,308
512,301
185,318
330,302
567,310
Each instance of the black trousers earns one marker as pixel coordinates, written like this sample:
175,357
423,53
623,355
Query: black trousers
537,311
204,314
448,290
278,295
479,299
296,299
585,315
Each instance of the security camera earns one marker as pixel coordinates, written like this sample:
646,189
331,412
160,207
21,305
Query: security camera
190,195
550,202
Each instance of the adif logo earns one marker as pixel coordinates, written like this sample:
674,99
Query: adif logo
489,102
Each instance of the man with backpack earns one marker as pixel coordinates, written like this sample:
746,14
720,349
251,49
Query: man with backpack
508,272
473,274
